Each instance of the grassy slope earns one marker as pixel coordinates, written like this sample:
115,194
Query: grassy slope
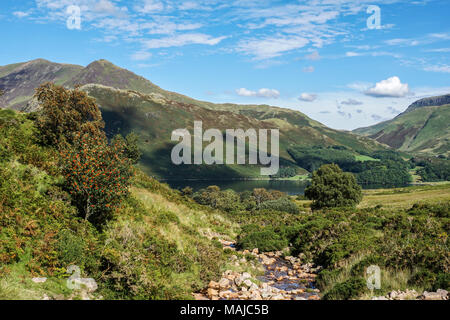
154,117
420,129
154,113
159,245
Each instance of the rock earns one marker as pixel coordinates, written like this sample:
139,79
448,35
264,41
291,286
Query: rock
255,296
39,280
438,295
213,285
245,276
45,297
300,298
443,293
199,296
314,297
228,272
88,283
238,281
248,282
212,292
380,298
277,297
225,294
224,283
255,251
253,287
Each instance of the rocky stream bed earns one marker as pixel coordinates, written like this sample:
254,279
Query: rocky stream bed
283,278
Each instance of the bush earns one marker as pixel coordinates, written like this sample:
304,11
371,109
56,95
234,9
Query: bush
331,187
97,175
346,290
265,239
64,113
282,205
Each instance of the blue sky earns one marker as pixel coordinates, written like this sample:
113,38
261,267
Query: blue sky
321,57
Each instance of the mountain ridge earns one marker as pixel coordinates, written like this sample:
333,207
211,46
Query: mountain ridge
132,103
421,129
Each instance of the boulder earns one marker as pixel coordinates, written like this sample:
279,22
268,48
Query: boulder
213,285
224,283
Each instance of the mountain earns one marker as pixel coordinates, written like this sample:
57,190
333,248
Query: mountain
132,103
423,128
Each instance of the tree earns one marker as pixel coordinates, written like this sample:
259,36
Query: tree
97,175
131,147
331,187
64,113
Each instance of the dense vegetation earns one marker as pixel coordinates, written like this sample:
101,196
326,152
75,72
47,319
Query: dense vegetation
330,187
432,169
379,168
143,240
259,199
148,243
410,246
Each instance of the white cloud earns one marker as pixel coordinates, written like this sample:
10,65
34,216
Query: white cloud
150,6
141,55
308,97
440,68
262,93
352,54
352,102
182,40
391,87
21,14
308,69
271,47
403,42
313,56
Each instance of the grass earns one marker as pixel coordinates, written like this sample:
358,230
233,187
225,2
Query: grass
405,197
16,284
364,158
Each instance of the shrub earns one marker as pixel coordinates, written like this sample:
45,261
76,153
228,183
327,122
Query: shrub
131,148
346,290
282,204
331,187
97,175
65,112
265,240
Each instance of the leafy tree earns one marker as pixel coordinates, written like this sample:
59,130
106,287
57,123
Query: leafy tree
64,113
261,195
97,175
331,187
131,147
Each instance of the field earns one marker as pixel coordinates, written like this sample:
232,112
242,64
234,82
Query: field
406,197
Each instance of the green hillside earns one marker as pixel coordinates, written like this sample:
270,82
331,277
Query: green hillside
422,129
131,103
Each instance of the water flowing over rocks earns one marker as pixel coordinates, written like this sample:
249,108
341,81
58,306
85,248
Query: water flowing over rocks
283,278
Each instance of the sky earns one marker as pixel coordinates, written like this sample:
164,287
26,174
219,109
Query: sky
347,64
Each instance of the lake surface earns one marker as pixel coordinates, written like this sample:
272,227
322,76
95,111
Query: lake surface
291,187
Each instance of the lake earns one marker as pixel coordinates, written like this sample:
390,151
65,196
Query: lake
291,187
